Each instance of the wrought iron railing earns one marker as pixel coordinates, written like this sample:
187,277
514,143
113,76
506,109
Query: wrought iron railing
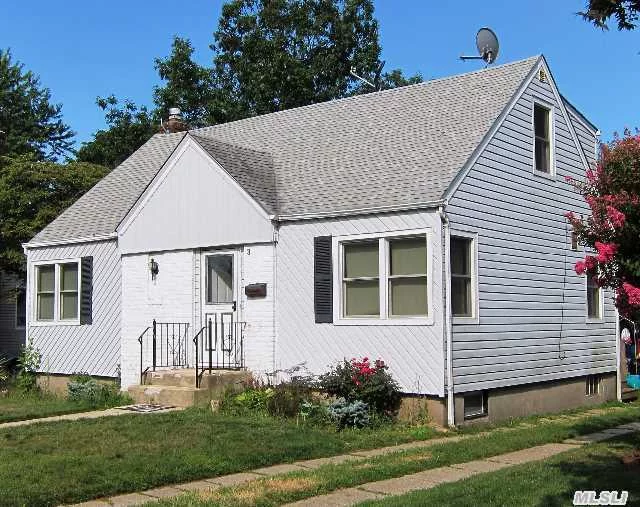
164,345
219,345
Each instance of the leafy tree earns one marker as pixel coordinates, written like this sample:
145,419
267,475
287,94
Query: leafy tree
29,123
278,54
129,127
32,193
188,85
612,191
625,12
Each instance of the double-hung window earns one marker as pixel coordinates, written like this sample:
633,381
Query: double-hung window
384,278
57,292
594,300
543,149
462,301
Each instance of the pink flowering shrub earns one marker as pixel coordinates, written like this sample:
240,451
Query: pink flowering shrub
612,192
360,380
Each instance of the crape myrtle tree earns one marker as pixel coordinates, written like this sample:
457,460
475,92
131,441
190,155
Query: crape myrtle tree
612,230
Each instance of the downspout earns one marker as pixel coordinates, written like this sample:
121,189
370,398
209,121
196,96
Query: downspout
446,285
618,357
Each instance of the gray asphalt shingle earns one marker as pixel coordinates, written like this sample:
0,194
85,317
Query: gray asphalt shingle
397,147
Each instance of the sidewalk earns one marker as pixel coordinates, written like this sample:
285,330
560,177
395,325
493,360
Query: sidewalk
94,414
374,490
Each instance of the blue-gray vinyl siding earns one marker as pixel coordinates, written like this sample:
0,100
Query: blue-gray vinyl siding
532,306
93,348
11,336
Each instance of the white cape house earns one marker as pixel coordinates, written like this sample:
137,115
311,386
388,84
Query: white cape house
422,225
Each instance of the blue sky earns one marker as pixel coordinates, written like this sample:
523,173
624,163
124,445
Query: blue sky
85,49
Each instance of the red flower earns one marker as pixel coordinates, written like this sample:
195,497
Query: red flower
633,293
606,251
580,267
617,218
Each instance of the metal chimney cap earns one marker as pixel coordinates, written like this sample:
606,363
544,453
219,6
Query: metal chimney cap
174,112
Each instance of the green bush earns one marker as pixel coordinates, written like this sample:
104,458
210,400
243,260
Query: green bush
28,363
359,380
4,370
288,398
253,400
82,388
345,414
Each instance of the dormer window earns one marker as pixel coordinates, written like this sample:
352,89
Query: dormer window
542,132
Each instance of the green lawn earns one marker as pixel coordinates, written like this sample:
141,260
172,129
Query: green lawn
71,461
299,485
18,407
548,483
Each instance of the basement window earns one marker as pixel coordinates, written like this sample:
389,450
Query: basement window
593,385
475,404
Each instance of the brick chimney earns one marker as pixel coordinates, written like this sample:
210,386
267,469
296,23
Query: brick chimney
174,123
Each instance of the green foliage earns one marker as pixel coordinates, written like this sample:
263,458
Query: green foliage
188,86
358,380
129,127
32,194
82,388
272,56
288,398
252,400
345,414
625,12
29,123
29,361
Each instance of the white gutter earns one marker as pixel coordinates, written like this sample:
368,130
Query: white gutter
448,317
360,211
70,241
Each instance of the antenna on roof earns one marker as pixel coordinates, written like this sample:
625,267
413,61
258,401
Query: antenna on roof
487,44
376,80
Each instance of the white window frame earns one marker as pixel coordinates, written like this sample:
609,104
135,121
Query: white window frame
552,139
593,320
475,299
383,262
33,300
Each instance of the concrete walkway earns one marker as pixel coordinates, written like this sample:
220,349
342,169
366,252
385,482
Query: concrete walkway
374,490
94,414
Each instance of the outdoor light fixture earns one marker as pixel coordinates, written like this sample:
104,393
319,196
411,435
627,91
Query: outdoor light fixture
154,268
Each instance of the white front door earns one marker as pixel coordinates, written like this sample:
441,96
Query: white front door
220,274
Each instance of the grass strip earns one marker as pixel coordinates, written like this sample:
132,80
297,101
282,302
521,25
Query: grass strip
596,467
295,486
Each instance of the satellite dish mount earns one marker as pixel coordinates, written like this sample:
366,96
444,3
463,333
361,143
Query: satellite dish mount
487,44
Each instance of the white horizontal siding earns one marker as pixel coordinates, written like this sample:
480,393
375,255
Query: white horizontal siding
93,348
532,321
414,353
11,338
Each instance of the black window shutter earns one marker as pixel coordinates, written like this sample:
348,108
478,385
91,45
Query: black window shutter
323,279
86,290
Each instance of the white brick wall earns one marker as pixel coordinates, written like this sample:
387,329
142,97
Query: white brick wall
168,298
175,297
259,313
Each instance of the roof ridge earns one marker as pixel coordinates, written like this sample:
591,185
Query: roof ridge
374,94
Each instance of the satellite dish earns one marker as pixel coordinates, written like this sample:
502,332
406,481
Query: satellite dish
487,44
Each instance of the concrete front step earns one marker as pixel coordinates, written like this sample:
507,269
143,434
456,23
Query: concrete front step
186,377
178,387
178,396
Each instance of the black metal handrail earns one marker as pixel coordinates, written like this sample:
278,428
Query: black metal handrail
219,346
168,346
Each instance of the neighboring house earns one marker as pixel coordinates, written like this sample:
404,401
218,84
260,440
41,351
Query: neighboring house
12,314
422,225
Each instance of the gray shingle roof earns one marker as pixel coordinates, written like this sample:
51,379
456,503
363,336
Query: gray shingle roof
99,211
397,147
